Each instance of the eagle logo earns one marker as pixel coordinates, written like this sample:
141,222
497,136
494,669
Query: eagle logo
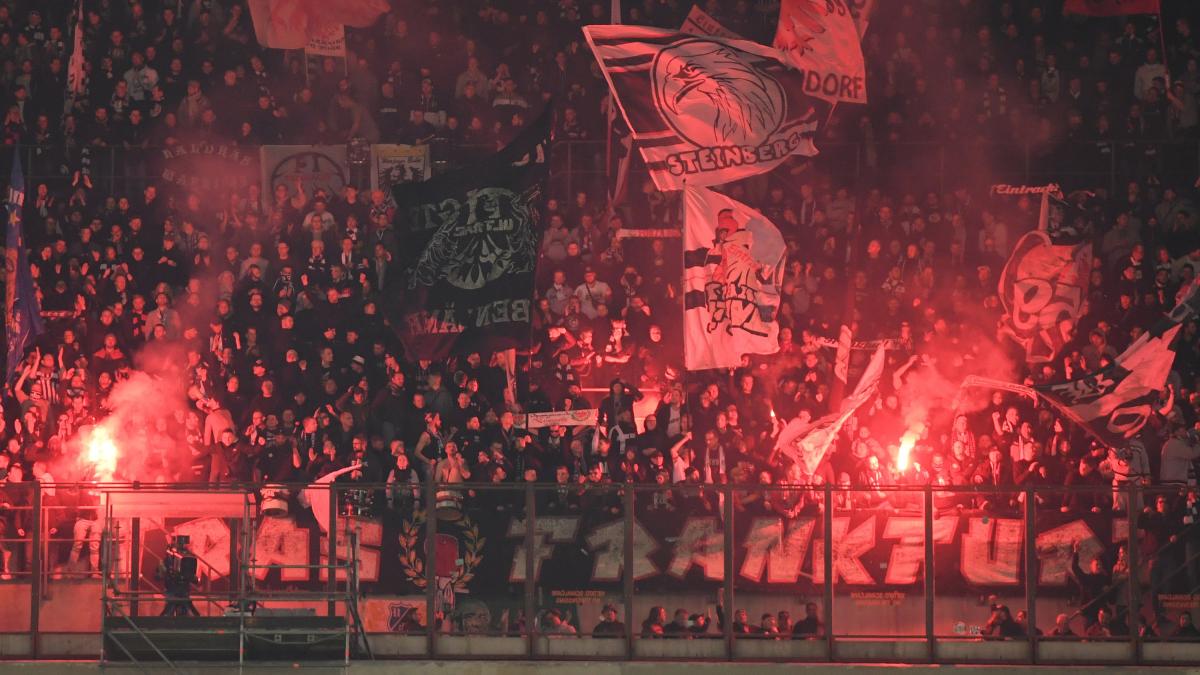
806,23
712,95
479,240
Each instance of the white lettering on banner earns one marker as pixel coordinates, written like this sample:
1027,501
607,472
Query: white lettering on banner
1055,548
908,554
719,157
990,552
699,544
769,549
280,542
447,320
607,544
991,549
848,549
550,530
1006,189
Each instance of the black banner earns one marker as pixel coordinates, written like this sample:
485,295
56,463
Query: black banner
481,552
471,239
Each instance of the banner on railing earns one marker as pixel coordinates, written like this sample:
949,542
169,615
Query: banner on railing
678,544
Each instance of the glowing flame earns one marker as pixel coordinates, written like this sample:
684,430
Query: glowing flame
102,455
907,441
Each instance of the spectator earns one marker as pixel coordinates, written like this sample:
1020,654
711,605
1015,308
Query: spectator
654,625
609,625
810,626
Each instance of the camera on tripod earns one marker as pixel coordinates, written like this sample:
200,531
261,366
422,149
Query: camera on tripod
180,564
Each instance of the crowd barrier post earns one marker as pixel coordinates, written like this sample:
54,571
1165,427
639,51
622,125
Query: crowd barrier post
827,550
331,550
530,567
135,563
627,570
431,621
1031,570
730,602
1133,500
35,581
929,572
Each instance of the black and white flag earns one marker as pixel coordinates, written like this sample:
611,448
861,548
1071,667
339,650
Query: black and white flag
472,238
1114,403
706,110
733,269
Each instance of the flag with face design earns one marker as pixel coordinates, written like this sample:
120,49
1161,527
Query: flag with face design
706,110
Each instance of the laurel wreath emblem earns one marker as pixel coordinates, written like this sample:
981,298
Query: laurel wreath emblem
412,564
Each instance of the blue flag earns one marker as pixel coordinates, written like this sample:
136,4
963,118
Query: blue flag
22,317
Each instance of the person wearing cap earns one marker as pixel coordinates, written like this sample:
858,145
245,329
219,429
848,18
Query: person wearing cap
609,626
592,293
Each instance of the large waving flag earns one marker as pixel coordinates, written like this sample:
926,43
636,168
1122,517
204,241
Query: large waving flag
472,239
706,110
733,269
807,444
1111,7
821,40
1114,403
23,318
293,24
1042,287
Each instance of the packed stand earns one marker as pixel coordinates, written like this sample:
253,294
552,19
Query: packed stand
272,302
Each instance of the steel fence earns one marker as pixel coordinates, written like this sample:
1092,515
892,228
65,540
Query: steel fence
529,570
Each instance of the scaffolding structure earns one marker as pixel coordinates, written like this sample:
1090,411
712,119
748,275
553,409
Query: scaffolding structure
242,621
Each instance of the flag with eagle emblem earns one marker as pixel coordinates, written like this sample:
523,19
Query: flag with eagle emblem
820,39
471,241
733,269
706,110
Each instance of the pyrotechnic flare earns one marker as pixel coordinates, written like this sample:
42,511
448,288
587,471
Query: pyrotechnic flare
102,455
907,441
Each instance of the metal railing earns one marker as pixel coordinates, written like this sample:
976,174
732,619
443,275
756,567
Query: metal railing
502,569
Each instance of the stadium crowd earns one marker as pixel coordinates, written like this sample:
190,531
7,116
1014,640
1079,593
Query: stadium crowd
272,302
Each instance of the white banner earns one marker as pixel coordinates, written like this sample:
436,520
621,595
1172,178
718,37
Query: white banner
393,164
821,40
584,417
733,268
329,41
807,444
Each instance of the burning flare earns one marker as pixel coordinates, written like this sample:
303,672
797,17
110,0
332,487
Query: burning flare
101,455
907,441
